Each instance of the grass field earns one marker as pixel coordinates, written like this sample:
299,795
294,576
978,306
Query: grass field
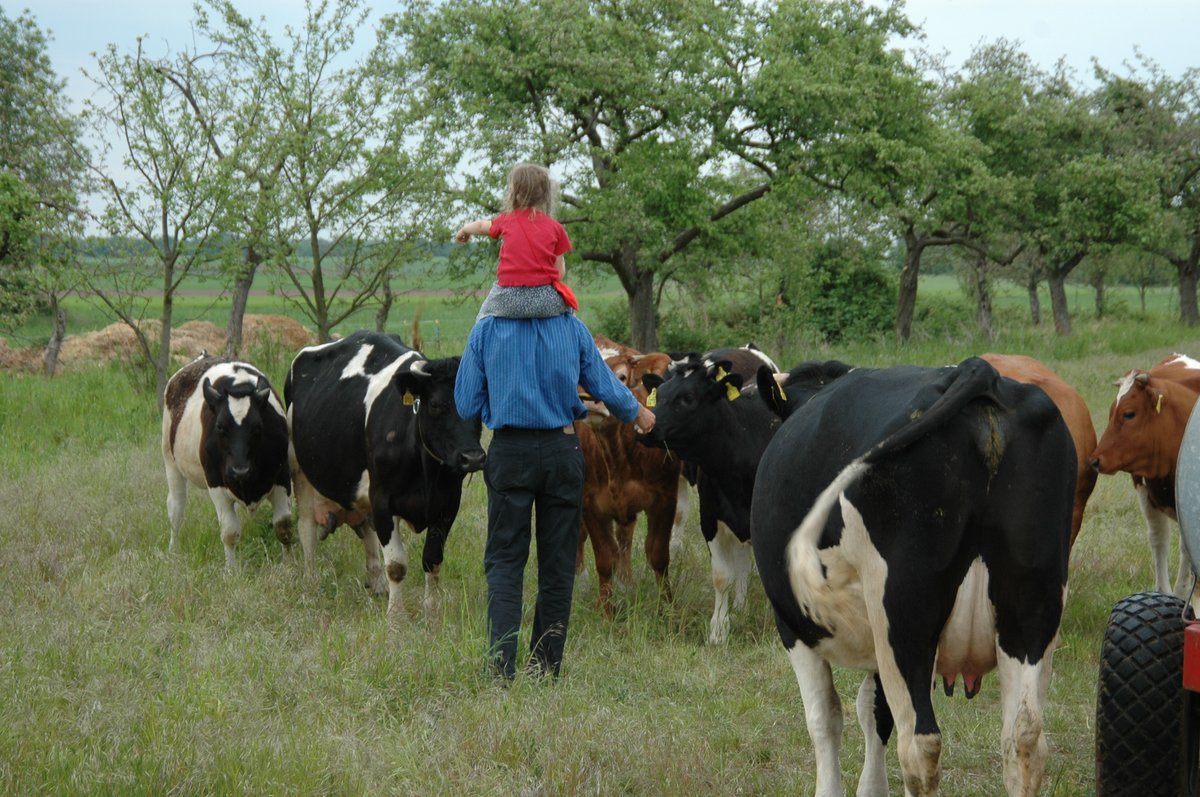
129,671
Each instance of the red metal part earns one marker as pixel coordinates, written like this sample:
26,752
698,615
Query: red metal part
1191,656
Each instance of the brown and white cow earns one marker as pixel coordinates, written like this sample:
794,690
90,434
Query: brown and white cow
224,430
1074,411
1145,428
624,479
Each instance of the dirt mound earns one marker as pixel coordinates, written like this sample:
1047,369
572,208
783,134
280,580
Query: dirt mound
117,341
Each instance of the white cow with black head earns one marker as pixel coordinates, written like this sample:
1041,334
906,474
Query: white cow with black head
224,430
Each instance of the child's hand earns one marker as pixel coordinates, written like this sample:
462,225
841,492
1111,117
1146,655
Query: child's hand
462,236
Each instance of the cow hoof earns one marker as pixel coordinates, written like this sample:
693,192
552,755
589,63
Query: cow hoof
283,532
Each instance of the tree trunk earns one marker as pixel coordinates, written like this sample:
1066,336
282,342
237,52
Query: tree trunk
385,306
241,295
643,327
1058,302
54,346
1035,302
163,360
906,299
1098,286
1188,271
983,297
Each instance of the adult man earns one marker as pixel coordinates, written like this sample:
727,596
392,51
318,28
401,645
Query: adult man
521,376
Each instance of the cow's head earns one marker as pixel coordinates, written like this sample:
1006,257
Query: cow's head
1134,439
691,398
427,387
234,425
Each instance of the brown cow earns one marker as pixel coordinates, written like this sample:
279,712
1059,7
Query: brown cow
1074,411
1145,429
624,479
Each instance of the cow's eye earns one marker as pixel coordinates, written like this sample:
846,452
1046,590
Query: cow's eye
437,408
1129,415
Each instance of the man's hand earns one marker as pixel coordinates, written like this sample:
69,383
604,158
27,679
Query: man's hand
644,421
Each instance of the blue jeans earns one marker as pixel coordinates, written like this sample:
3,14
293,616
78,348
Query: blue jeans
531,472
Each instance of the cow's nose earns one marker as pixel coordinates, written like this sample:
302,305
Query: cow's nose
239,471
471,461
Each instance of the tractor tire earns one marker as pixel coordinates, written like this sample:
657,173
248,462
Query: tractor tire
1146,723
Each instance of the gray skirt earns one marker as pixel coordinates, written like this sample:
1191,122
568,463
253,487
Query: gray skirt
538,301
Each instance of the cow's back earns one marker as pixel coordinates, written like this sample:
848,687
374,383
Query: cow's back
328,390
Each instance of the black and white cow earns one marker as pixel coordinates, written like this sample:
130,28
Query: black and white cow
699,420
911,522
375,440
224,430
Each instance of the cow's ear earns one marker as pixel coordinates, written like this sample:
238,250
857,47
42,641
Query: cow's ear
651,381
1156,398
212,396
262,391
733,386
770,390
411,382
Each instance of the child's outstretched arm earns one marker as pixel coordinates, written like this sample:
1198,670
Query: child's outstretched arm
479,227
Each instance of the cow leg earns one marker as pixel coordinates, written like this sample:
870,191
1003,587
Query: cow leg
822,716
1023,689
624,558
604,551
395,560
730,566
1158,530
432,556
905,672
875,719
1183,579
231,524
376,581
306,521
177,492
683,506
659,527
281,514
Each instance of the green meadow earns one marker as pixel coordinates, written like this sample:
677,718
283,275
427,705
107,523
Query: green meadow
130,671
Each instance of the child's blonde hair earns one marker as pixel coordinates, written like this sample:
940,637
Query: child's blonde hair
530,187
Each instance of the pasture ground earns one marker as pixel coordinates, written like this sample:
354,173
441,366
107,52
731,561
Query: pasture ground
129,671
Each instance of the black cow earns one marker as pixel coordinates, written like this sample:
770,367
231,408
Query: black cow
911,521
224,430
699,418
376,439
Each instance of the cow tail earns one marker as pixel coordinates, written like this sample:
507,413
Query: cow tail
974,378
805,570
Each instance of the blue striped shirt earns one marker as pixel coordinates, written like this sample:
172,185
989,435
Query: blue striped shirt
523,373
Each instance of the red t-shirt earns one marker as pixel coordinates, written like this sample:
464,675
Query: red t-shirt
530,245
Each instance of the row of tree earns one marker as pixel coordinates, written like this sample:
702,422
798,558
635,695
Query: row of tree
692,139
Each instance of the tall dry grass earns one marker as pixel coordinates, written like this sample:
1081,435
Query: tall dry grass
125,670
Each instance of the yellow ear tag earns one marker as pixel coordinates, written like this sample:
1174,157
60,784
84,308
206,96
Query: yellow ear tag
732,392
720,373
408,398
652,399
1158,404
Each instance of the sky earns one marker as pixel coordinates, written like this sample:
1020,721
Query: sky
1168,31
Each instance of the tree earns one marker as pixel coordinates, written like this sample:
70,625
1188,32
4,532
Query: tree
358,188
642,110
40,177
165,196
1157,118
